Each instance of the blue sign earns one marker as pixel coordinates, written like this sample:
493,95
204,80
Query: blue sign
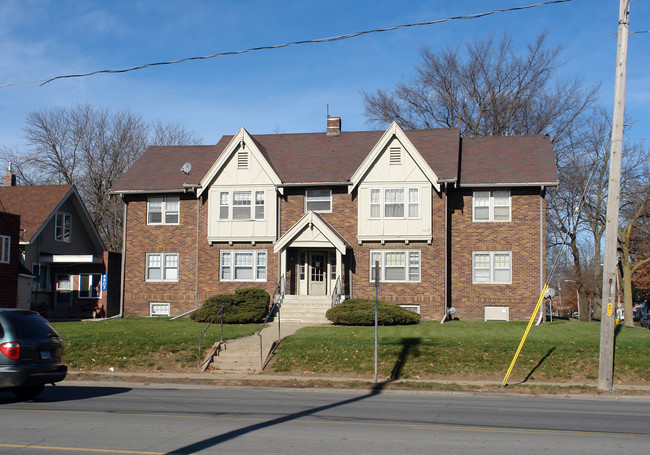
105,282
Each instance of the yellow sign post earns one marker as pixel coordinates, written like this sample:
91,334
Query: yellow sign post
523,339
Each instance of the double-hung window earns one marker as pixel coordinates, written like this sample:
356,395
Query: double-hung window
5,249
243,265
396,265
318,200
491,205
162,266
397,203
90,286
163,210
246,205
492,267
63,227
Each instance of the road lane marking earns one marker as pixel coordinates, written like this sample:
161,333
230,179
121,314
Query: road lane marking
80,449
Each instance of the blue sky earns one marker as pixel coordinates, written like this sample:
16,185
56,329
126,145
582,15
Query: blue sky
284,90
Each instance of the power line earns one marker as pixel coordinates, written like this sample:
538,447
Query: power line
279,46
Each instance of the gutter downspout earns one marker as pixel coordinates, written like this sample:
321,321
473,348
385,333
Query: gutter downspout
196,267
445,255
123,260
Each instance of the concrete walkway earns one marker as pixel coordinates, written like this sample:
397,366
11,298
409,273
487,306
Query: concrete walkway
243,355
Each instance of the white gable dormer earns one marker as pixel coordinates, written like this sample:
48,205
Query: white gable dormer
242,201
395,187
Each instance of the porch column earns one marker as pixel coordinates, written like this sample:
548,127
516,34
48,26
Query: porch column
283,264
339,262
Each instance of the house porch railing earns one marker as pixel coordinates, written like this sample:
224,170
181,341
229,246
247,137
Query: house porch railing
278,298
336,292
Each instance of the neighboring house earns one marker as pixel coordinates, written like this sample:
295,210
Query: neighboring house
450,221
61,253
9,258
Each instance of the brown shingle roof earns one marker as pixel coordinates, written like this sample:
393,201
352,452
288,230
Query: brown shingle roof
515,160
159,168
319,158
34,204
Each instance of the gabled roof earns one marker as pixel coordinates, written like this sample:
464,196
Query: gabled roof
38,204
507,160
316,220
319,159
241,139
437,145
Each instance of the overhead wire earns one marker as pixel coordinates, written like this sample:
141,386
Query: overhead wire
294,43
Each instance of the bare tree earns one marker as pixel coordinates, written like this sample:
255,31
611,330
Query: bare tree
91,148
634,236
488,90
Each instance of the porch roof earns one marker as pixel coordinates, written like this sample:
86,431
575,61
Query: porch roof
311,219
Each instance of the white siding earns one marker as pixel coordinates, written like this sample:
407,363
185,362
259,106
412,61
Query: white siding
388,173
234,177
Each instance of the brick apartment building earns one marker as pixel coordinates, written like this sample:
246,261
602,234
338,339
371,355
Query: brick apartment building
451,222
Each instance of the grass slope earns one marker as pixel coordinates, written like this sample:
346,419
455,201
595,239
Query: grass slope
141,344
557,351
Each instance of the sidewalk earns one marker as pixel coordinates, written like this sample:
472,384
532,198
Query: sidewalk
449,386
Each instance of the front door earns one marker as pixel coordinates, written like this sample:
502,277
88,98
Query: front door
63,294
317,273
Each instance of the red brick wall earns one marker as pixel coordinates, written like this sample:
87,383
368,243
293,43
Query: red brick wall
428,293
521,236
185,294
10,226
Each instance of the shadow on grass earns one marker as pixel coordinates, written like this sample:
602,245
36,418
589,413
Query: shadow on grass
407,345
541,361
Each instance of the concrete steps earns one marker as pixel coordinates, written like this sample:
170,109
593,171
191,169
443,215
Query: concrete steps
242,356
305,308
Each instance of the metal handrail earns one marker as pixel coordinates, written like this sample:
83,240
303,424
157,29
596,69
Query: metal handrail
336,293
223,305
278,298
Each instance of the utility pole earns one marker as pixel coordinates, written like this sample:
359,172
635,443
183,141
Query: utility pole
606,359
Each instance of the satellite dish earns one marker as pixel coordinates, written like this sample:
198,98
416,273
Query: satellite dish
187,167
550,293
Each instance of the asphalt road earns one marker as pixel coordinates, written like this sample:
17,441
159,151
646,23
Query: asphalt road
75,418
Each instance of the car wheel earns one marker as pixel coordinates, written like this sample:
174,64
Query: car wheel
28,392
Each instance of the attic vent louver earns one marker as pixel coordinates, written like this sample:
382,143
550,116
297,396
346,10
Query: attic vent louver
242,159
395,155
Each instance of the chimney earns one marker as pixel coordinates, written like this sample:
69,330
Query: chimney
333,126
10,177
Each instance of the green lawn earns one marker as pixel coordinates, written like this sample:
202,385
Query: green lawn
156,344
561,350
556,351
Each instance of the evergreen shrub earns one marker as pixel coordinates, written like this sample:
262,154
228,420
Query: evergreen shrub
245,306
362,312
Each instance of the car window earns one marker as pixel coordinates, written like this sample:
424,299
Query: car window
29,325
2,331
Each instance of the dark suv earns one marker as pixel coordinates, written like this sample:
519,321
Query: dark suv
30,353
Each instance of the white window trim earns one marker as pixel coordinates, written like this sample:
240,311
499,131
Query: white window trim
5,249
406,203
492,268
319,199
163,211
89,283
159,309
255,266
162,267
64,215
411,307
382,266
253,206
491,206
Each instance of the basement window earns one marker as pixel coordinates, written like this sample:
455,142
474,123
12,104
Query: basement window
159,309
